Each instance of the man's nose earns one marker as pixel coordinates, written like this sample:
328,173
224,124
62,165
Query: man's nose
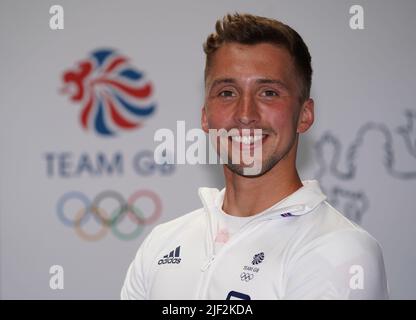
246,112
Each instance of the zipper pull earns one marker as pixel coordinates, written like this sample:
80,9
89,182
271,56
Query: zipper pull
207,264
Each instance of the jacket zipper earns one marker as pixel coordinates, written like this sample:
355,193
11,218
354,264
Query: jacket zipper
206,268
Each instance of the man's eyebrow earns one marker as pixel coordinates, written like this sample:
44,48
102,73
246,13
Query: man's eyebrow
272,81
258,81
222,80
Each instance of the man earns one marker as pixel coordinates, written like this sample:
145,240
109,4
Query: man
267,235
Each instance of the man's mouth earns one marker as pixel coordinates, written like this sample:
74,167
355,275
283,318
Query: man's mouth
249,139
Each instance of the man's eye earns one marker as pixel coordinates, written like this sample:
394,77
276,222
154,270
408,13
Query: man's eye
226,93
270,93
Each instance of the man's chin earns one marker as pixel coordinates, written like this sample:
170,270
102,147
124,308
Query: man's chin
247,171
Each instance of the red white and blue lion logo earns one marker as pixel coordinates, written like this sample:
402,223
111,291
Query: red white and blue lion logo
112,93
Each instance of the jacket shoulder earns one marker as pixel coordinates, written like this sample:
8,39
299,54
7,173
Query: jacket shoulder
334,235
165,233
181,222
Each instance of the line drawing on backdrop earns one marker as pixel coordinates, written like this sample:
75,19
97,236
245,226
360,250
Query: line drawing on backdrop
354,203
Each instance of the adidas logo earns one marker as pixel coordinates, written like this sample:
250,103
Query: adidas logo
172,257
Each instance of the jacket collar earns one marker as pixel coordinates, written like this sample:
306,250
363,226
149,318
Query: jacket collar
300,202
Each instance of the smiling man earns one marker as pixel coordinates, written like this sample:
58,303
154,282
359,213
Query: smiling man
266,235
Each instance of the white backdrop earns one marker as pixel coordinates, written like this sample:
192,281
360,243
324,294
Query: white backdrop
362,146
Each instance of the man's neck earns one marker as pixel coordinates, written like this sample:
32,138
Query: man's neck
248,196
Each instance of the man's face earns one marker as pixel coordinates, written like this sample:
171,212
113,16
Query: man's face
256,87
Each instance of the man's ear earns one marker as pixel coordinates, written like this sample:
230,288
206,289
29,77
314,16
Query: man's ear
306,116
204,121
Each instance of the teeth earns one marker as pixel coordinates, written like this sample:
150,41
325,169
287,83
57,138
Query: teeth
246,139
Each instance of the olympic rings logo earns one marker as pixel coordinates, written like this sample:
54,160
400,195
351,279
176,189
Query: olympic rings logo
246,276
108,220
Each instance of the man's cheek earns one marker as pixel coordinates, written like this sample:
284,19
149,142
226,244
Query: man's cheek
218,121
282,120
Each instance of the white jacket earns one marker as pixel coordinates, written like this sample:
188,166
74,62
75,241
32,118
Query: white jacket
300,248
